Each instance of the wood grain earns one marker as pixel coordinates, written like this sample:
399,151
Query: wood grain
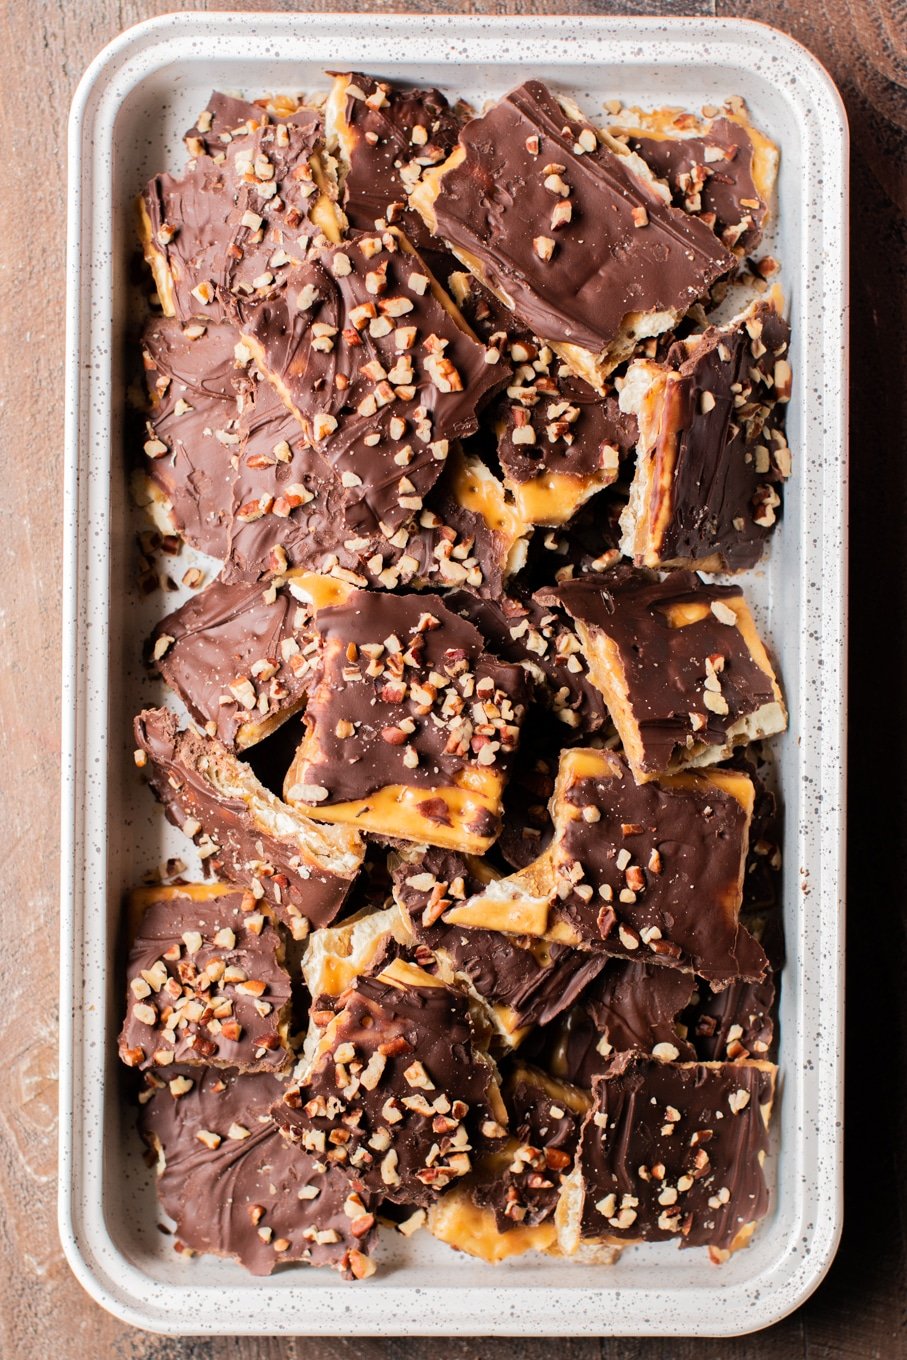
861,1310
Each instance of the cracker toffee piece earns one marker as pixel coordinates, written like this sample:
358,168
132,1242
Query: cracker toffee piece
559,441
522,982
720,169
569,229
235,1187
229,230
300,870
387,135
399,1093
378,366
684,673
712,451
242,657
226,120
206,982
733,1024
673,1150
649,870
411,724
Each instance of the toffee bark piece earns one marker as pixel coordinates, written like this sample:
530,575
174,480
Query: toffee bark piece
400,1093
229,230
411,724
629,1006
684,673
379,368
569,229
559,441
712,452
242,657
236,1187
733,1024
722,170
225,122
649,870
206,982
521,982
301,870
387,135
672,1150
197,391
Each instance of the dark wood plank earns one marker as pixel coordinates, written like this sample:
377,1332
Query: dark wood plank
861,1310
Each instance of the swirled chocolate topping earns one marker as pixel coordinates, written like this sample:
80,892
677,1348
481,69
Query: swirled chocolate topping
676,1150
241,657
226,121
627,1006
524,982
733,1024
399,1094
388,135
569,230
710,176
406,694
379,372
680,670
302,871
236,1187
654,868
229,230
206,984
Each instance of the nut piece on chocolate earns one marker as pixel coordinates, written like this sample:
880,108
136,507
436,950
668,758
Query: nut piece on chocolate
241,657
206,982
387,136
569,229
642,871
721,170
684,673
197,390
411,724
559,441
377,365
302,872
672,1150
235,1187
519,983
230,229
628,1006
712,451
399,1093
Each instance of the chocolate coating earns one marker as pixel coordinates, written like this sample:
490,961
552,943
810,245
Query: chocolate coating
735,1023
206,984
604,267
249,1194
226,120
711,1153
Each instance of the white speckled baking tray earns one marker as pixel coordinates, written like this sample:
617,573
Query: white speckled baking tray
128,113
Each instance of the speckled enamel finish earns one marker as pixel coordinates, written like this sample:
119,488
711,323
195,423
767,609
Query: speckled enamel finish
127,116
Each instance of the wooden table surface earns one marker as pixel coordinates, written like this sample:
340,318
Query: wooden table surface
861,1309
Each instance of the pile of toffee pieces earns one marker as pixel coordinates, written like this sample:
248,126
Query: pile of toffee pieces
469,748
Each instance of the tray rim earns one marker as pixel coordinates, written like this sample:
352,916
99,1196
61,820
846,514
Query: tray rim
458,1316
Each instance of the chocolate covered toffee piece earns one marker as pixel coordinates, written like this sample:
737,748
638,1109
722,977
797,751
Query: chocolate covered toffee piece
712,451
672,1150
411,724
720,169
569,229
386,137
733,1024
229,229
637,870
558,440
235,1187
197,390
683,670
378,366
206,981
225,122
399,1093
302,871
242,657
520,981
